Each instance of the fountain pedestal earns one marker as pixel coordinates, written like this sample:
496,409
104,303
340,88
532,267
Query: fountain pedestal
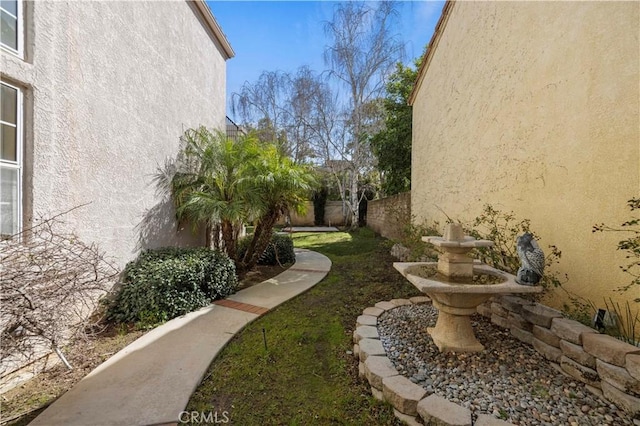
454,292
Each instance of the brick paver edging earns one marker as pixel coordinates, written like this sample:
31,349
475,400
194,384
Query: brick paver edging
253,309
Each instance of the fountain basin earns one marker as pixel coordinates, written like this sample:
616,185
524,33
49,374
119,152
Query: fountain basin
456,302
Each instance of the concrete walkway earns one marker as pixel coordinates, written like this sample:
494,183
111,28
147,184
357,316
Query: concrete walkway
150,381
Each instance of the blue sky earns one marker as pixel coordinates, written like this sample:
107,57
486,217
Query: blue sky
284,35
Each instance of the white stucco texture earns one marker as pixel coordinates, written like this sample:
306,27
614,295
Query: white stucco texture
111,87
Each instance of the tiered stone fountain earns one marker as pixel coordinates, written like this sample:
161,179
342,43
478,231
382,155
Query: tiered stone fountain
457,285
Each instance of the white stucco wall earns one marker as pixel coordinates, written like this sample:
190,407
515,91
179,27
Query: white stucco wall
534,107
110,87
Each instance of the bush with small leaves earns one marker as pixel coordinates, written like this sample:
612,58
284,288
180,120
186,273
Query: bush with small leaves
279,251
169,282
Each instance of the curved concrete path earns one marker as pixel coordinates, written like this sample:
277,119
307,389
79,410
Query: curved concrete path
150,381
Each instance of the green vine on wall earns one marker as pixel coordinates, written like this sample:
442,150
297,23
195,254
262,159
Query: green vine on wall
503,229
629,245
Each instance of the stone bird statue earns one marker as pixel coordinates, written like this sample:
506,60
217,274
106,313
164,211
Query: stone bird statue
531,258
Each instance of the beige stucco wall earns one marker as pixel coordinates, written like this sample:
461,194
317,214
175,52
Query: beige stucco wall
333,215
533,107
110,87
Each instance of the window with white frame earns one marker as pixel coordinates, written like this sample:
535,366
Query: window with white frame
11,25
10,160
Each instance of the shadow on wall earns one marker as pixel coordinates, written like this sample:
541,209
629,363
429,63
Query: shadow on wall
159,228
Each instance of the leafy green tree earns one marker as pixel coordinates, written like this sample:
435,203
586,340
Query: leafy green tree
223,182
210,182
392,145
282,186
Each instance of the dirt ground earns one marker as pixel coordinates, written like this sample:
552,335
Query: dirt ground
22,404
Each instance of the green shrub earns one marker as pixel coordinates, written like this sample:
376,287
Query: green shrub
169,282
503,229
278,252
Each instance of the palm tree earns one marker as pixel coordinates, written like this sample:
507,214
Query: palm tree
210,184
219,181
283,186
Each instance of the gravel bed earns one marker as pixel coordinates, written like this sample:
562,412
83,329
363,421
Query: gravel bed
508,380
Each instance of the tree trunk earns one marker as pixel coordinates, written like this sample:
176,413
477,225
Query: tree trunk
353,202
228,239
261,239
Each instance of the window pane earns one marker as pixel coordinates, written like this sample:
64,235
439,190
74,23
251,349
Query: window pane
8,104
10,6
9,201
8,143
8,30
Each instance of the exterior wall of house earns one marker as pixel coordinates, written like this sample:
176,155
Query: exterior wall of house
533,107
109,89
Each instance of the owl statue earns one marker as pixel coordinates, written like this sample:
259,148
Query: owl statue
531,258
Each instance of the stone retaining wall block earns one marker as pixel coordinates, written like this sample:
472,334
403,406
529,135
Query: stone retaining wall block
385,305
570,330
419,300
633,365
500,321
400,302
628,403
409,420
618,377
580,372
436,410
514,303
523,336
377,394
365,332
485,310
376,368
366,320
517,321
402,394
608,348
373,311
546,335
497,309
547,351
578,354
370,347
539,314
